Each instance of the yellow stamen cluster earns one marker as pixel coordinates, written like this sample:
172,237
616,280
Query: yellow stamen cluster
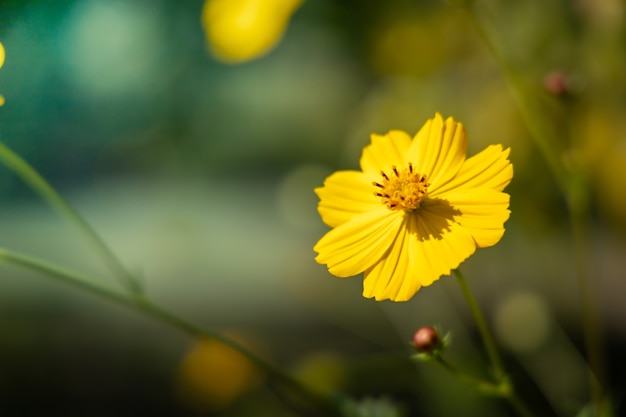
404,190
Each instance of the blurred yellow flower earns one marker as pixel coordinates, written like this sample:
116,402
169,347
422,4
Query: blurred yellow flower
415,211
241,30
213,376
2,56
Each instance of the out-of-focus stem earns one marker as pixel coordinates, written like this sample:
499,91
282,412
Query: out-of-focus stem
40,186
591,323
145,306
540,129
575,190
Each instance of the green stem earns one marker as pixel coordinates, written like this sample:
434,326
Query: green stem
591,323
575,190
502,389
143,305
39,185
541,131
519,405
490,346
479,383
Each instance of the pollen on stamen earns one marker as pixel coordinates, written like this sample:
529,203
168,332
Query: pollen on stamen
404,191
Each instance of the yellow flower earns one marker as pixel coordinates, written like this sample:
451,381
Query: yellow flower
241,30
416,210
213,376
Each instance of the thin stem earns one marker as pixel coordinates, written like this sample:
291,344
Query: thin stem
479,383
40,186
505,388
574,188
519,405
145,306
542,132
490,346
591,323
502,389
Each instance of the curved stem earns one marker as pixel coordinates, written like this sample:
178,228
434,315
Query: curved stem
490,346
39,185
502,389
144,305
479,383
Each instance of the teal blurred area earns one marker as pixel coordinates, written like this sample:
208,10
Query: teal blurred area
106,87
200,177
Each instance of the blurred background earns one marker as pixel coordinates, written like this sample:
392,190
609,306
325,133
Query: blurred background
200,176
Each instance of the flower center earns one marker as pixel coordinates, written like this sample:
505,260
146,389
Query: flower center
403,190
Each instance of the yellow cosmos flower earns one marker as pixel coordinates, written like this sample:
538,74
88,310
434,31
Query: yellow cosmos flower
241,30
415,211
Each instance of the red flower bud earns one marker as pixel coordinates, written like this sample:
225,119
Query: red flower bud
426,339
557,83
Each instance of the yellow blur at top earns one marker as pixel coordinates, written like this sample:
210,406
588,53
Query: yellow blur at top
2,56
242,30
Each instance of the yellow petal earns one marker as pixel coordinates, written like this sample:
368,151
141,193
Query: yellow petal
487,169
438,150
354,246
344,195
429,246
442,243
482,212
383,279
240,30
385,152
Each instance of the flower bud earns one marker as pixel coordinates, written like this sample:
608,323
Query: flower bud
557,83
426,339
